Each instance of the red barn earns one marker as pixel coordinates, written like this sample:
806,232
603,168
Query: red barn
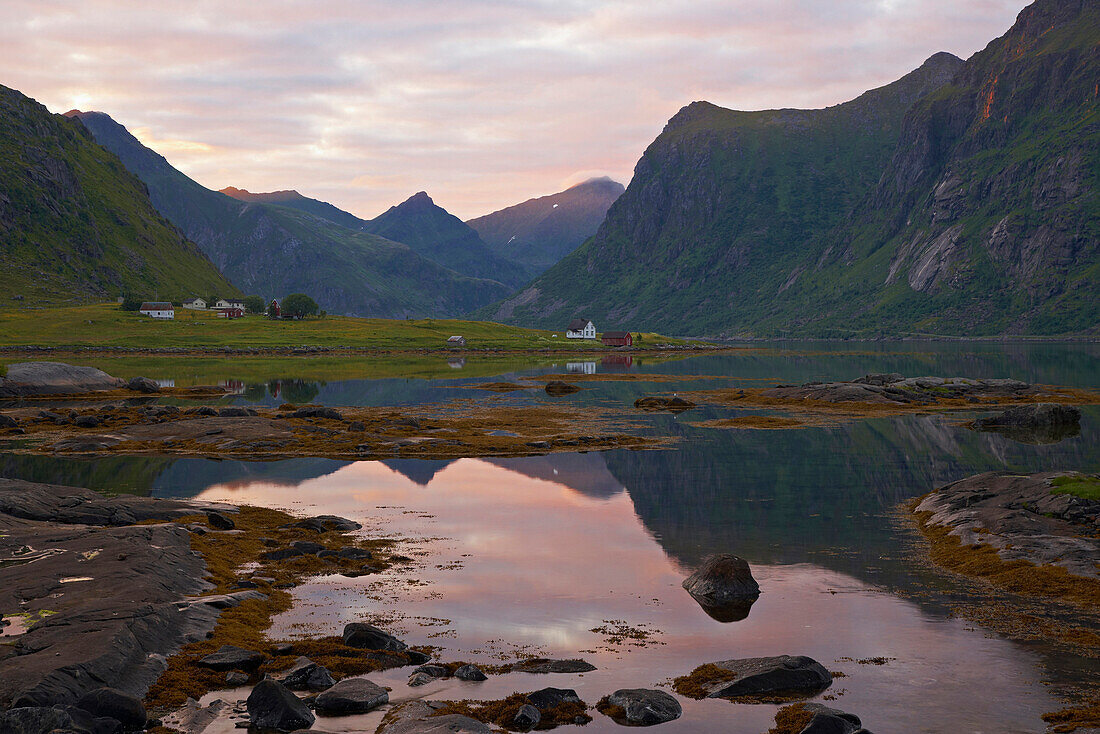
273,309
617,339
230,313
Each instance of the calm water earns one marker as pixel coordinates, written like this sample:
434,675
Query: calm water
531,555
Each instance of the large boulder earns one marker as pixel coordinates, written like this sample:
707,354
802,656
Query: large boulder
783,675
367,636
815,718
54,378
271,705
557,387
641,707
230,657
470,673
351,696
34,720
724,587
143,385
306,675
1037,423
548,698
114,704
549,665
419,717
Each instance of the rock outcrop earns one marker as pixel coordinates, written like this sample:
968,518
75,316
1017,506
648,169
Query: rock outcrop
769,678
1038,423
351,696
724,587
272,706
641,707
54,378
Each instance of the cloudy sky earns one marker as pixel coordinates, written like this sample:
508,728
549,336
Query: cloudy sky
483,103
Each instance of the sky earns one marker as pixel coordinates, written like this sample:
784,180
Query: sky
482,103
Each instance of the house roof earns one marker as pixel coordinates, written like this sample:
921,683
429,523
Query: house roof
616,334
578,324
196,298
456,338
155,306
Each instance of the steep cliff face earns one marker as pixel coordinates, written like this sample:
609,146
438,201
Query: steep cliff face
442,237
960,200
275,250
539,232
75,225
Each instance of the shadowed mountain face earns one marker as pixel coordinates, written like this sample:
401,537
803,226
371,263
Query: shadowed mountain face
540,232
275,250
294,200
443,238
960,199
75,225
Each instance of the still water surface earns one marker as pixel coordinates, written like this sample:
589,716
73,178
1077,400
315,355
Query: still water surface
531,555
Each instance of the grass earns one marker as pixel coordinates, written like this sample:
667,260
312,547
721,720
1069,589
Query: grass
1079,485
791,719
105,326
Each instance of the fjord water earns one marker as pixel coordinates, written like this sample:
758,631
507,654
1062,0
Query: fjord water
556,554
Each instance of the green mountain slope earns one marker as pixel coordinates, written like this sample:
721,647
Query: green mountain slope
540,232
294,200
276,250
75,225
961,199
442,237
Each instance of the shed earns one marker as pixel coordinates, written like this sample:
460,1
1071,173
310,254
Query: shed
456,341
618,339
158,309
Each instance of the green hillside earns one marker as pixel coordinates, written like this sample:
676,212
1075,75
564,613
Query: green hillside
75,225
275,250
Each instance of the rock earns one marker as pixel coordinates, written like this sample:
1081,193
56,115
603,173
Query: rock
643,707
547,665
1038,423
418,717
6,421
236,678
724,587
230,657
114,704
193,718
34,720
674,404
272,706
325,523
363,635
420,679
354,554
470,672
527,717
357,426
351,696
831,721
306,675
557,387
143,384
780,675
86,421
318,412
548,698
281,554
54,378
435,671
880,379
218,521
233,413
85,722
308,547
204,410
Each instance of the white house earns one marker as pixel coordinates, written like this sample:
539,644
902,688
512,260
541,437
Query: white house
230,303
456,341
158,310
196,303
580,329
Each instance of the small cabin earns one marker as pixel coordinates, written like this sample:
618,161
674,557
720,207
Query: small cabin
233,312
580,329
158,310
229,303
197,304
618,339
273,308
456,341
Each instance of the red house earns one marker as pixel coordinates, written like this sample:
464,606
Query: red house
617,339
230,313
273,309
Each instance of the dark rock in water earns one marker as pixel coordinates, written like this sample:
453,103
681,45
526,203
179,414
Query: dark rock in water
416,657
527,717
548,665
780,675
330,413
86,421
272,706
470,672
306,675
420,679
353,553
113,704
324,523
419,717
831,721
236,678
1038,423
674,404
548,698
724,587
218,521
644,707
230,657
557,387
361,634
351,696
143,384
6,421
435,671
34,720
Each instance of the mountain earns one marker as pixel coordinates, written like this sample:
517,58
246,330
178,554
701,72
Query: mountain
275,250
540,232
961,199
294,200
444,238
76,226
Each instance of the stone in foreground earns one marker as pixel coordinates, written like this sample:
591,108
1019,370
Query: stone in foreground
831,721
470,673
367,636
54,378
783,675
416,717
548,665
351,696
527,717
548,698
306,675
230,657
113,704
271,705
724,587
643,707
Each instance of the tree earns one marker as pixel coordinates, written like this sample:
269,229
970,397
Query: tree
210,301
129,303
299,305
254,304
